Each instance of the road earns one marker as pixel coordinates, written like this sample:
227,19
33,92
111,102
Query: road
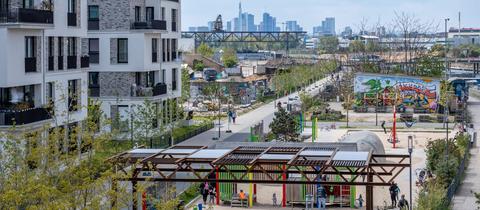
241,130
464,197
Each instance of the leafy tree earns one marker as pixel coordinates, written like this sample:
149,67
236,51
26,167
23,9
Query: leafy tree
432,197
285,126
205,50
198,65
357,46
329,44
145,122
229,58
429,66
185,85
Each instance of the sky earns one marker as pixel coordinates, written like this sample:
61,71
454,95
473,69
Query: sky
310,13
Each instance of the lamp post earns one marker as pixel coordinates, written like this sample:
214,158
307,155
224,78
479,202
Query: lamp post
446,111
410,150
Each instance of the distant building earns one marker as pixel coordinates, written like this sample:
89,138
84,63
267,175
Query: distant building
211,25
269,23
193,29
381,31
292,25
203,29
326,29
229,26
465,36
311,43
347,32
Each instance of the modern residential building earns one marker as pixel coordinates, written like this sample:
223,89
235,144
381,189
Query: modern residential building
292,25
43,64
133,48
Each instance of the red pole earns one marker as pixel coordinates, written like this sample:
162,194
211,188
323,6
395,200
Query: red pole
284,187
144,201
255,191
394,129
217,186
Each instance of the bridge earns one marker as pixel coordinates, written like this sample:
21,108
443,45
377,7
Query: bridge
286,37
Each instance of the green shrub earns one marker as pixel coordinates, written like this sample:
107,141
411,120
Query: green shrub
432,197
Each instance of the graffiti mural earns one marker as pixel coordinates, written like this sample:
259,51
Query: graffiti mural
382,90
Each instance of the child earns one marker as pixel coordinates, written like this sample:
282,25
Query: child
360,201
274,200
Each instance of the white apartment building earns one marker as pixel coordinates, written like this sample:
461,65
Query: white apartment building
133,49
42,63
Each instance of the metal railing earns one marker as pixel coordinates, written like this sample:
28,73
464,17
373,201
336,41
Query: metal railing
22,15
84,62
164,141
72,62
160,89
22,117
31,64
154,24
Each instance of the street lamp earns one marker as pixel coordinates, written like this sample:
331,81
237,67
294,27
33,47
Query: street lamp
410,150
446,86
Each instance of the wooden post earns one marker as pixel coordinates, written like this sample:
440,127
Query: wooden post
284,187
369,193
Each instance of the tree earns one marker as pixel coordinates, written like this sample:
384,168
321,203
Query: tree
229,58
205,50
198,65
285,126
328,44
357,46
145,122
185,85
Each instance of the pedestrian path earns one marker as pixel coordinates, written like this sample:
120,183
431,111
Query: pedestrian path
464,197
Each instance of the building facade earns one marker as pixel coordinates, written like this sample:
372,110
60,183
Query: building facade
42,63
133,48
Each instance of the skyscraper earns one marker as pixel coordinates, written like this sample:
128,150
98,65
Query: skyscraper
326,29
268,23
292,25
229,26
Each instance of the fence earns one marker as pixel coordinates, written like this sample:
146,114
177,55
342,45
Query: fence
164,140
452,188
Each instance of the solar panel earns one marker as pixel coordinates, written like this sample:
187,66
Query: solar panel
351,156
209,153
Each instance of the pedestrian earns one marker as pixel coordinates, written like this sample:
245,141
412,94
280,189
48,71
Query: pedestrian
234,116
204,189
322,198
212,195
403,203
383,126
242,197
397,191
360,201
393,195
274,200
229,114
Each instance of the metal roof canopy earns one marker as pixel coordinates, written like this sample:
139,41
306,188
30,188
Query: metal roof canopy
308,162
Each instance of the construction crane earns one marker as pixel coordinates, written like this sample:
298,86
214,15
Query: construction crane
218,26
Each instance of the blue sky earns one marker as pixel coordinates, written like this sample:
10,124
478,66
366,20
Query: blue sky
310,13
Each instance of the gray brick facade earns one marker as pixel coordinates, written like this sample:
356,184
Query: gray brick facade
114,84
113,15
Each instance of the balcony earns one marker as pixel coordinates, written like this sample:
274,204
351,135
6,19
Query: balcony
21,117
22,15
72,62
93,24
84,62
72,19
50,63
60,62
160,89
31,64
154,24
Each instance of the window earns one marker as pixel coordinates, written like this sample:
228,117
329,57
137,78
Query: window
174,19
28,4
29,47
29,95
163,75
174,49
164,58
73,95
122,56
154,50
51,94
93,79
149,14
50,46
93,12
72,46
163,13
94,50
137,14
150,79
174,79
138,78
169,58
71,6
60,46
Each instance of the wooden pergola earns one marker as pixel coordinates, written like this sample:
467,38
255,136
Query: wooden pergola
260,164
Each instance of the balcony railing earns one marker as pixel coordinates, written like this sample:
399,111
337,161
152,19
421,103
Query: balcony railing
154,24
60,62
72,19
72,62
160,89
93,24
22,117
50,63
84,62
22,15
31,64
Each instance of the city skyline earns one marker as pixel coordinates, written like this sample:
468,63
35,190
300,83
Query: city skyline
310,13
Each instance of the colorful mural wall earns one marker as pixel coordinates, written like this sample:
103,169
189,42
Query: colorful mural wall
414,92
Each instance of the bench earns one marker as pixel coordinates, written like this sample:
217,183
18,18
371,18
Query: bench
237,202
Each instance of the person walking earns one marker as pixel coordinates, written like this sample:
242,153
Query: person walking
322,198
403,203
274,200
204,189
212,195
360,201
383,126
393,194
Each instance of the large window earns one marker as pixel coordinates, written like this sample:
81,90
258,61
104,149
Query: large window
163,75
122,56
154,50
93,79
94,50
29,47
73,95
93,17
149,14
28,4
60,53
163,13
71,6
138,14
51,94
174,79
174,19
164,45
72,46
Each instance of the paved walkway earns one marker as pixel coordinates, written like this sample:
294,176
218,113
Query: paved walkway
464,198
241,130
